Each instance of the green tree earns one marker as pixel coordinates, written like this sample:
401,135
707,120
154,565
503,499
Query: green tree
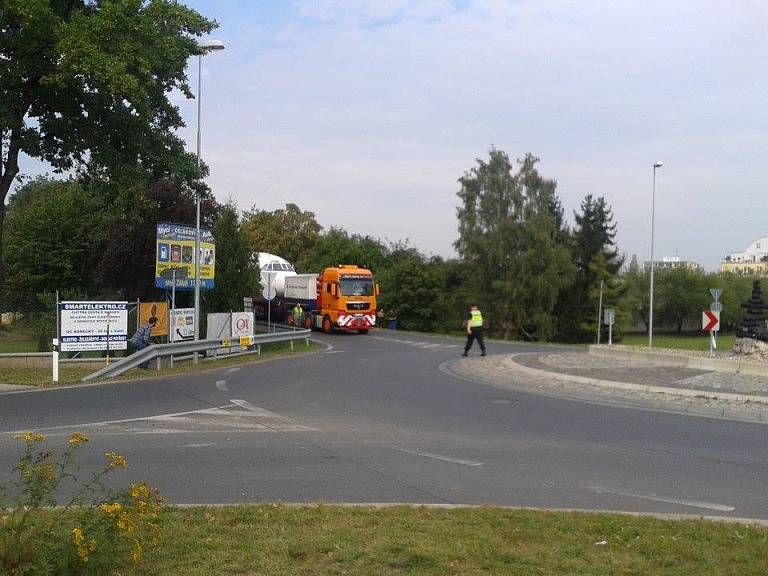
337,246
632,308
682,296
287,232
49,244
126,263
419,291
236,276
736,291
510,238
594,251
86,84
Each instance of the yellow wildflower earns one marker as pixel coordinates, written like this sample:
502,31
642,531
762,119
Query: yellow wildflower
116,460
139,491
138,551
45,472
125,522
77,438
111,510
84,546
30,437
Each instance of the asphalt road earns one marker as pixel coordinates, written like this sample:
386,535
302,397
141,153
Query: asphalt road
374,419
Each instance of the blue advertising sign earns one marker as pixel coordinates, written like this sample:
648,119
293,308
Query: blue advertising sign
174,252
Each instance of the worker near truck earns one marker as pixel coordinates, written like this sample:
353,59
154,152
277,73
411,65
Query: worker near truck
298,316
474,330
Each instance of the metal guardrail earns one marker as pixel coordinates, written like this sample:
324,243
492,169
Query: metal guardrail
191,347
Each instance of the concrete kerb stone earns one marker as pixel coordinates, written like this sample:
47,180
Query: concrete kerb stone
574,379
638,357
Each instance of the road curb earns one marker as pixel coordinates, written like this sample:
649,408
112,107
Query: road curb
442,506
687,392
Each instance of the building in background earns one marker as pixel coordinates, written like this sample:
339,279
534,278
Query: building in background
672,262
752,262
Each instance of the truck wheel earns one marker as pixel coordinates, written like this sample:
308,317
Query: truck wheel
363,331
327,325
308,322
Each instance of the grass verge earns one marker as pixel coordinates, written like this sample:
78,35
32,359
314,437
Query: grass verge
282,540
71,374
680,342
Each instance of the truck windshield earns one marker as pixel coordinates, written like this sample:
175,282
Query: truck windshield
356,286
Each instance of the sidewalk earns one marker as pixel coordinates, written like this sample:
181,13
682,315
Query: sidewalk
578,375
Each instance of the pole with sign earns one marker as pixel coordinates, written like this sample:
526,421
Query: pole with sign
710,322
610,318
715,306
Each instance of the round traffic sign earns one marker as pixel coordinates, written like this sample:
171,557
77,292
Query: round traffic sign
716,306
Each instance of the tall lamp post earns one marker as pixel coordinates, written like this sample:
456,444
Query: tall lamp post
653,213
205,47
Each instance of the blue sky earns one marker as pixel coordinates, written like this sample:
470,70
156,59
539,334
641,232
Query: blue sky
367,111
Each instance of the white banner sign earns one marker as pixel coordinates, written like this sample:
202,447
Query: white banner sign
182,324
242,324
93,326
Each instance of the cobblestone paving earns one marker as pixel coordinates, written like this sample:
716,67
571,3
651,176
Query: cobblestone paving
604,368
504,371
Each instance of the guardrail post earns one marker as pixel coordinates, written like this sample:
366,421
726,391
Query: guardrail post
307,342
291,345
158,363
170,360
259,349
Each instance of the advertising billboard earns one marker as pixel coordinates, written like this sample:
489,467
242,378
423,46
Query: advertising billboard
182,324
175,249
158,311
93,326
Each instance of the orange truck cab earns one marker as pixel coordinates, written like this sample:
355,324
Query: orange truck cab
346,299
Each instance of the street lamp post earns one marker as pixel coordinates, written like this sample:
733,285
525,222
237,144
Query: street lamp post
653,213
205,46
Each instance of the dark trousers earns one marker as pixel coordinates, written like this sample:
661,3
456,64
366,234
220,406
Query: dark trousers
475,334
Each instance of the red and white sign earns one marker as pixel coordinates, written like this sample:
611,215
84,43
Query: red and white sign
710,321
242,324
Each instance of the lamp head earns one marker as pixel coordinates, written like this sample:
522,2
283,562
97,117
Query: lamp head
210,45
658,164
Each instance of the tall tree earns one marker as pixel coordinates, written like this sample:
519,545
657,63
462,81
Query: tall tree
86,84
49,244
337,246
511,240
236,276
598,262
287,232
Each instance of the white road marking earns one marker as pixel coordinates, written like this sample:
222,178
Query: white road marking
438,457
654,498
335,351
277,421
108,422
427,346
201,445
221,384
235,369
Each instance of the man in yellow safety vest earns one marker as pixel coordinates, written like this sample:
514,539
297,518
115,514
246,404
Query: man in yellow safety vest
298,315
474,330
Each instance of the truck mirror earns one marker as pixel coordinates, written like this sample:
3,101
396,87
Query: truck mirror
335,289
378,289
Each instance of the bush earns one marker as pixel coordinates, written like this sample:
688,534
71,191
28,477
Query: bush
98,529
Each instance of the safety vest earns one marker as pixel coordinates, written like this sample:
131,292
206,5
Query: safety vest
477,319
297,312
